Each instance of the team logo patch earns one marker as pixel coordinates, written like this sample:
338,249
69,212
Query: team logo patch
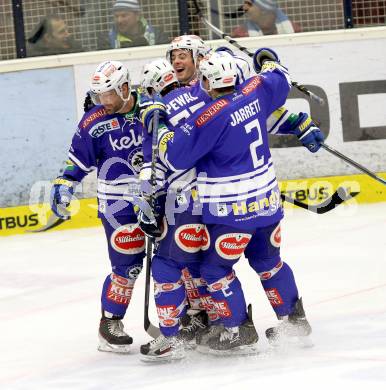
168,77
92,117
167,315
134,271
128,239
191,237
119,279
274,297
222,309
217,286
109,69
102,127
119,290
276,237
251,86
214,109
135,160
232,245
169,322
227,80
167,286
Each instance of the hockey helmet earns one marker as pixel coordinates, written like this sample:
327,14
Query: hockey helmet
187,42
220,69
157,75
108,76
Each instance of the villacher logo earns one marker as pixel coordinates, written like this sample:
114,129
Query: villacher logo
128,239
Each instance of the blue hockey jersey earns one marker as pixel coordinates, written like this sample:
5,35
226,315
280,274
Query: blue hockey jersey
181,104
111,144
227,142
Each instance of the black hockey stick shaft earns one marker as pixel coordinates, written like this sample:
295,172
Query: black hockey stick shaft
245,50
353,163
337,198
152,330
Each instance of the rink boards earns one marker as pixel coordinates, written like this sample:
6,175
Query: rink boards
36,134
21,219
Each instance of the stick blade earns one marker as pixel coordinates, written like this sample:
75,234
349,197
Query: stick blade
338,197
152,330
53,221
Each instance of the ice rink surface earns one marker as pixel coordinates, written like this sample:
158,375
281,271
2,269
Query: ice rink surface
49,307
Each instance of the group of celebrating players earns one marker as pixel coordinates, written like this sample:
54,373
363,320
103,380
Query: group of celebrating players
210,197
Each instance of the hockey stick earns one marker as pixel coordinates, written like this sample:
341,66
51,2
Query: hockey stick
233,42
150,329
53,221
338,197
353,163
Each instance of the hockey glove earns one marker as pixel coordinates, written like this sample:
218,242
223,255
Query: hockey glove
61,194
261,55
309,134
147,109
149,225
226,49
88,103
147,218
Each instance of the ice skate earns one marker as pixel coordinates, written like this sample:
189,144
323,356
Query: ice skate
204,335
112,338
190,326
294,329
238,340
163,349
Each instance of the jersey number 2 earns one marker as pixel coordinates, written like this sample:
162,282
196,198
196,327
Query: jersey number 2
257,162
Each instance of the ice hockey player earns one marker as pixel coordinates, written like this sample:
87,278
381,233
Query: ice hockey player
178,251
185,53
109,139
184,231
256,214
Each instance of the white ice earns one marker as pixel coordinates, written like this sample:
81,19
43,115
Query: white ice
49,313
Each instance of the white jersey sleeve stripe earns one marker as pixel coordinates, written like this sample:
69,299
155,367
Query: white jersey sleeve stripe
79,163
235,188
238,197
202,178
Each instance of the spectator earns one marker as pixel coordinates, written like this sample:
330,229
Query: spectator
51,36
264,18
130,28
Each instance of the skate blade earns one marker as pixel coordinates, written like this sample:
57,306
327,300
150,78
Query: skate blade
292,341
190,345
163,358
305,342
245,350
202,348
106,347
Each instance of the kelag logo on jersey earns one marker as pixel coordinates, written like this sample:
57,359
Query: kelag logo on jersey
103,127
125,142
